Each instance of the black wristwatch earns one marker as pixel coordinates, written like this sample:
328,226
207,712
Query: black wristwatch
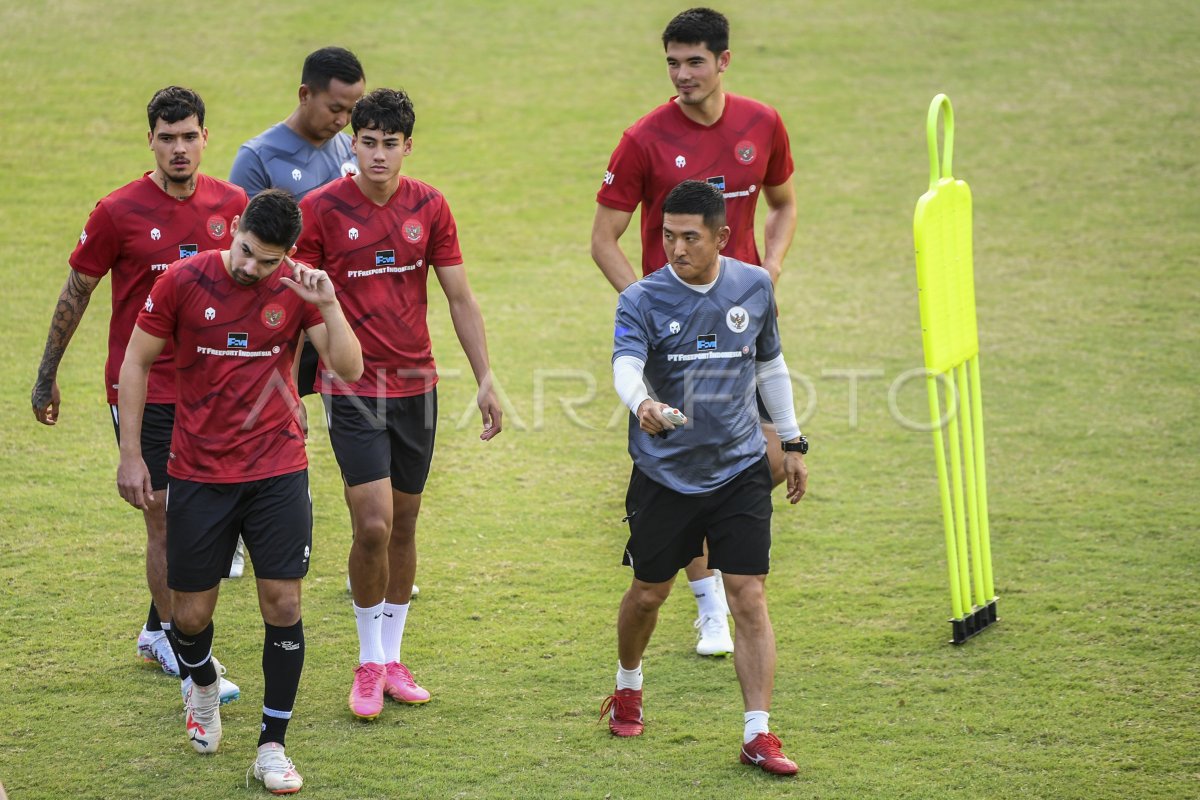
799,446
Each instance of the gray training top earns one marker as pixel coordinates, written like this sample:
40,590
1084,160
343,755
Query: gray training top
700,351
280,158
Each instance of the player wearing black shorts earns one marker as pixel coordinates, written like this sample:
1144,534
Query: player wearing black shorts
702,332
238,462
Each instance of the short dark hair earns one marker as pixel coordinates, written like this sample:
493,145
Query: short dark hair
697,197
273,217
174,104
699,26
387,110
328,63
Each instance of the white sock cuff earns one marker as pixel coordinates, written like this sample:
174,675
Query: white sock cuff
375,609
629,678
756,723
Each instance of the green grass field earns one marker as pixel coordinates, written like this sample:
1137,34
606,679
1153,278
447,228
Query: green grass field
1074,125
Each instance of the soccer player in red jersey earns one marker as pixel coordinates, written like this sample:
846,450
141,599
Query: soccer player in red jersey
134,233
238,462
379,234
740,146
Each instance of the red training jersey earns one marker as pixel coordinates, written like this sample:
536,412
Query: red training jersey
379,258
235,419
136,233
746,149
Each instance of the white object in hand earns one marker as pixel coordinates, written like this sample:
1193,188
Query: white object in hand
674,416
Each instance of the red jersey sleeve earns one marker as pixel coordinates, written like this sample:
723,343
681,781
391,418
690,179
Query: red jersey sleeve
624,180
779,166
443,249
310,247
99,245
157,316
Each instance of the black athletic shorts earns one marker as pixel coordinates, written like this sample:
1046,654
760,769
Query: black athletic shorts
667,529
158,420
382,437
306,378
273,516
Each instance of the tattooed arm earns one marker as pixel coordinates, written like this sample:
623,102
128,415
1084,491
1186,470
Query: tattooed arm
72,302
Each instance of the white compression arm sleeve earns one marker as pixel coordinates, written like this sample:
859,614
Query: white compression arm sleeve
775,387
627,380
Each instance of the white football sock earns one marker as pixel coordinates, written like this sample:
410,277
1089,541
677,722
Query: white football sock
756,723
392,635
629,678
708,602
370,642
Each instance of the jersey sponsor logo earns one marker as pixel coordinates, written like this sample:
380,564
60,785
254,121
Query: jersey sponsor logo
149,304
745,152
609,177
159,267
708,355
155,234
273,315
717,181
392,269
83,237
385,258
680,162
737,319
237,351
352,233
349,168
413,230
706,342
210,313
237,340
216,227
188,250
673,327
297,175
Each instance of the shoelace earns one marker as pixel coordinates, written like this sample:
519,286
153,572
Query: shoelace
271,761
771,747
626,707
405,676
373,674
201,715
708,624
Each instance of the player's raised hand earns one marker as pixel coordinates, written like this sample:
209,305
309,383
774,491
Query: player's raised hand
313,285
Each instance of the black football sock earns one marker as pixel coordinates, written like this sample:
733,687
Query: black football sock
195,653
153,623
183,670
282,663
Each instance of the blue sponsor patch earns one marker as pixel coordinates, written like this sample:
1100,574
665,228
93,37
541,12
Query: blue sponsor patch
622,331
706,341
188,250
385,258
717,181
238,341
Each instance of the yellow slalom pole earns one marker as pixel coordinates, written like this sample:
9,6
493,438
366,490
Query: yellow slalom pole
968,443
985,543
935,416
956,485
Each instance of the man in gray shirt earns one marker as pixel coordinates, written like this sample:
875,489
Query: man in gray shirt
702,334
308,149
